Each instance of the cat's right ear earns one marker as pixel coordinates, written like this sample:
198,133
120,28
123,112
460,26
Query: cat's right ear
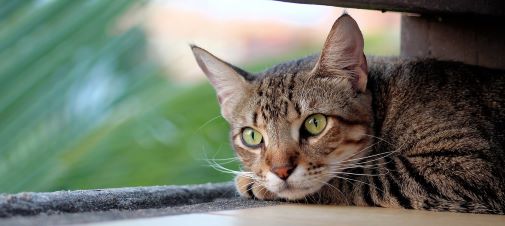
342,53
228,80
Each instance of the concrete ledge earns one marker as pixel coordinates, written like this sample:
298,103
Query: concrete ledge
31,203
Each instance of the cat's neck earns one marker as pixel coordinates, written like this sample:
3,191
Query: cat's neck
381,75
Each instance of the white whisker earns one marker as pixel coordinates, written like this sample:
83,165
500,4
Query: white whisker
349,179
357,174
207,122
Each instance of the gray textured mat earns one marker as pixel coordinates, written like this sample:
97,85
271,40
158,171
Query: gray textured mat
99,216
66,207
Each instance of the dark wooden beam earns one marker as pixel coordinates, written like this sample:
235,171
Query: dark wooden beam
474,40
494,8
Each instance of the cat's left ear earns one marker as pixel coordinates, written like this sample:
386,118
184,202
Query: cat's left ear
343,53
229,81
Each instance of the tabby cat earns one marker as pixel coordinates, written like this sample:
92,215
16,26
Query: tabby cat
332,129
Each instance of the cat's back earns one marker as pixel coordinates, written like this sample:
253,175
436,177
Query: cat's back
428,105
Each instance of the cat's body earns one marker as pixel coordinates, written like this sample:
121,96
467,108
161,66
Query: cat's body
336,129
444,125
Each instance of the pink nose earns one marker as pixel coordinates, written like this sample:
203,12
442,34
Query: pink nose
283,172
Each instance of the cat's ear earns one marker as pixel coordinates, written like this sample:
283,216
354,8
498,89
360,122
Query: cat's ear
343,53
228,80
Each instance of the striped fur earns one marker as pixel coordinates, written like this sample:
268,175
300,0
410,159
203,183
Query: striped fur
423,135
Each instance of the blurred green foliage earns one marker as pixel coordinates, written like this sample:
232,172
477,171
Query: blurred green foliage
385,43
80,107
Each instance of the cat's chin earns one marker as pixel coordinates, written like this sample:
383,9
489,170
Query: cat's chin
293,193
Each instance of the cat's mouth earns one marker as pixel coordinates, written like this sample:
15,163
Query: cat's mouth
296,187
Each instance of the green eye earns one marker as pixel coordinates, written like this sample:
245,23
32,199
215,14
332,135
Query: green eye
251,137
315,124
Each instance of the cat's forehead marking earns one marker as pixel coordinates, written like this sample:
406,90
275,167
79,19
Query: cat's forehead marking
276,98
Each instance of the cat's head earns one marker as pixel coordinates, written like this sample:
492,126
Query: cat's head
298,124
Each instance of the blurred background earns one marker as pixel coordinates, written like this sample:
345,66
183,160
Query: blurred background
99,94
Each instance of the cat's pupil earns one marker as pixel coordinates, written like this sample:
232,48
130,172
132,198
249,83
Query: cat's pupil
314,122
